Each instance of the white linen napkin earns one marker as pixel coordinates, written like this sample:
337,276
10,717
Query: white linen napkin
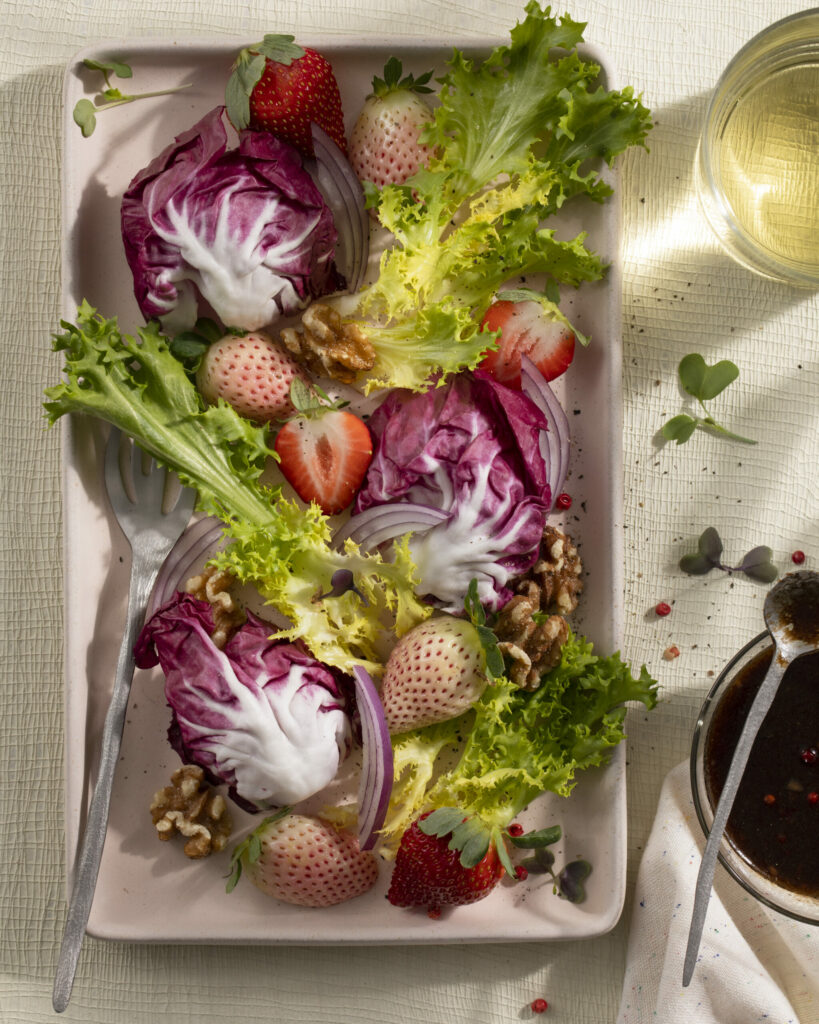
754,964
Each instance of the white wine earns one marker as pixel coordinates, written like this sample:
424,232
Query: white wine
757,166
767,164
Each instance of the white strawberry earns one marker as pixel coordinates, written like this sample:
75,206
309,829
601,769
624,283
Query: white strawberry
384,145
436,671
305,861
252,373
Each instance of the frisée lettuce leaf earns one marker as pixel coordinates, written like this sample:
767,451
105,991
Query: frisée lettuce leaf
137,385
516,744
515,136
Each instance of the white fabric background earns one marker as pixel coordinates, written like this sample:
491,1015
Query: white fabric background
680,294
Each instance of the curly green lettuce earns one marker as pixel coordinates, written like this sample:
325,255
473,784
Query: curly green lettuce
515,137
136,384
517,744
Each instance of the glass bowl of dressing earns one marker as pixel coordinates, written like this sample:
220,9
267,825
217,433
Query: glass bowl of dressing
771,841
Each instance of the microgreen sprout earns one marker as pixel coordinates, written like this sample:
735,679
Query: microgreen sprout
702,382
85,111
569,883
757,564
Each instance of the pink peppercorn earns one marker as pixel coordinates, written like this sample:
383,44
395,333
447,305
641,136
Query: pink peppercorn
539,1006
813,797
564,500
515,829
798,557
521,873
662,609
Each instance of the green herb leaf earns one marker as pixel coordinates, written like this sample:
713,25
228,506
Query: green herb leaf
538,839
679,428
85,116
706,382
117,67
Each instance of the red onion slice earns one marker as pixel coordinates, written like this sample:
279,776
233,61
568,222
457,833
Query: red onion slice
201,537
558,436
383,522
377,767
345,197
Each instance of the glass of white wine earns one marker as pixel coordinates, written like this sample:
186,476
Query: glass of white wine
758,158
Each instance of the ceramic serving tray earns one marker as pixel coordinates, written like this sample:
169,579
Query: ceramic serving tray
147,890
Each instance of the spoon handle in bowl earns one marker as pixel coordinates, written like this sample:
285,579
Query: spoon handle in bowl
705,878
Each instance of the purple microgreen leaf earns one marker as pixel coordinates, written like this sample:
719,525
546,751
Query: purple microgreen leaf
570,881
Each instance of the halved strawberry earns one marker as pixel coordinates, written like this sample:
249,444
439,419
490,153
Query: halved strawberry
526,329
324,451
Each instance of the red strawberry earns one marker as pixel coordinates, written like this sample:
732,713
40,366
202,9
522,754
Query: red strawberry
437,867
526,329
251,373
280,87
324,452
306,861
436,671
384,143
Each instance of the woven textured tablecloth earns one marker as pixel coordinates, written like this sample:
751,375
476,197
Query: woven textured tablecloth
680,295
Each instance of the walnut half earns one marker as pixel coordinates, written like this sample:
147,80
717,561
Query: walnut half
327,346
191,808
532,647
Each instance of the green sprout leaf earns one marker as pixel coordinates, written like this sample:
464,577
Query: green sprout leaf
85,110
85,116
537,840
704,383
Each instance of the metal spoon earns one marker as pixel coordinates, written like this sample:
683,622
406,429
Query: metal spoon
792,618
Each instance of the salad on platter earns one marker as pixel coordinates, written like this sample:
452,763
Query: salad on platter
348,349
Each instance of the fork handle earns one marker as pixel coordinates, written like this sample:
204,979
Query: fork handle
93,839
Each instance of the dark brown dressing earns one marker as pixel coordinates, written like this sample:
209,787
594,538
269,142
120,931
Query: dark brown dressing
774,823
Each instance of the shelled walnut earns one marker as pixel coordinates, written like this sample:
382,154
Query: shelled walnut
327,346
191,808
213,585
555,576
532,647
550,588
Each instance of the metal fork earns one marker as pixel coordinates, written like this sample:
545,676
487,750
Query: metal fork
151,529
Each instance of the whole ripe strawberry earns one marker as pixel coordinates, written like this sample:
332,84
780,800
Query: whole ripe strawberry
324,451
252,373
385,147
436,671
305,861
282,88
526,329
445,859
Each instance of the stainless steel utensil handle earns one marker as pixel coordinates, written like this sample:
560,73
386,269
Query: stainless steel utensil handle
88,860
705,878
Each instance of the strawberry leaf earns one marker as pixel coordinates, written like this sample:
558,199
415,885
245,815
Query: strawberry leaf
471,837
250,849
279,48
441,822
502,851
477,616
